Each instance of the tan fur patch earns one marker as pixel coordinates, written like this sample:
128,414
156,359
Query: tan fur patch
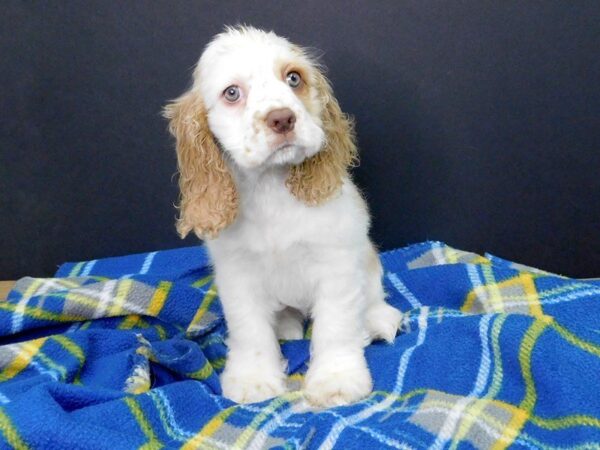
208,196
318,178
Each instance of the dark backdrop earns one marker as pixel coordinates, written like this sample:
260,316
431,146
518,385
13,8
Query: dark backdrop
478,122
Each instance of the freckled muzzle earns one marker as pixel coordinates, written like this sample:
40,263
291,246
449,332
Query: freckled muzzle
277,128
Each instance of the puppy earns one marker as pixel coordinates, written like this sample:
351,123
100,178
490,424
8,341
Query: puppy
263,152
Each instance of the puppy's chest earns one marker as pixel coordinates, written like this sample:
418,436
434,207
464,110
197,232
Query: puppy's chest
274,225
282,241
287,276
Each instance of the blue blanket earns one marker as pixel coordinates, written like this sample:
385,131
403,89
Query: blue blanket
126,352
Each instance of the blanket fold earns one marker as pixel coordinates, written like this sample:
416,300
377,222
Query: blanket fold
126,352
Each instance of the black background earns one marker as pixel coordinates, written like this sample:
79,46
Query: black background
478,122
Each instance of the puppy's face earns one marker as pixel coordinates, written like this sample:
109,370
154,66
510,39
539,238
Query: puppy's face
260,102
261,97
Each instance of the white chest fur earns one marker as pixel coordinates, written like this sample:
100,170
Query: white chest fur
286,244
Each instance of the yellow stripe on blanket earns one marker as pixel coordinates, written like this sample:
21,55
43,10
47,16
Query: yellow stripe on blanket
70,346
208,430
512,429
153,442
504,296
203,373
10,433
158,299
210,295
118,302
24,353
244,438
531,295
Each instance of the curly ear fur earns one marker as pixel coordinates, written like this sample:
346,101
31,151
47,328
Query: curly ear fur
318,178
208,197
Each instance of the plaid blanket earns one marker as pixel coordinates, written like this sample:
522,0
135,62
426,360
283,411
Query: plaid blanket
126,352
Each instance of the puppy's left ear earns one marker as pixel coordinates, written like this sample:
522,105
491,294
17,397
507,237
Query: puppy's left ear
319,177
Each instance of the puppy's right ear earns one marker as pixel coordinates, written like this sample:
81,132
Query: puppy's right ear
208,198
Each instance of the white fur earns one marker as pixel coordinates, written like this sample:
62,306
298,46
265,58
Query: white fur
280,253
249,59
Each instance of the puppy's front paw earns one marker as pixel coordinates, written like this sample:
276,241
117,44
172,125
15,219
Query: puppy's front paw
252,385
334,381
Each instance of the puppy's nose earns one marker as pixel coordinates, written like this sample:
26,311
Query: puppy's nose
281,120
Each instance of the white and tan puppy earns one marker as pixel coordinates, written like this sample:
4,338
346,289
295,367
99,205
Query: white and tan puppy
263,151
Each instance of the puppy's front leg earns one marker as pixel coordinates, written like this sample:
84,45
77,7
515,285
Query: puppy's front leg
254,370
338,373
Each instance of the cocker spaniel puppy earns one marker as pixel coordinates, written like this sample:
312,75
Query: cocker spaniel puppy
263,151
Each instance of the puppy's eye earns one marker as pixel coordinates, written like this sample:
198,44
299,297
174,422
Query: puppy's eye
293,79
232,94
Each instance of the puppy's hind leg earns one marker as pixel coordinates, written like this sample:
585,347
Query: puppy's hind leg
382,320
290,324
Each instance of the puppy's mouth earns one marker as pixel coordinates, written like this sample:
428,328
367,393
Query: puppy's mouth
287,153
286,145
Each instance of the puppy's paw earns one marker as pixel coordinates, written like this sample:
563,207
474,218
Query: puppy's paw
383,321
335,381
252,385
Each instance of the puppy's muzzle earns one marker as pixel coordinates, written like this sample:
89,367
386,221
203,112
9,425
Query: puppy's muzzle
281,121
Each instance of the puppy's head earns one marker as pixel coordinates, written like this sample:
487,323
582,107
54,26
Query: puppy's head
257,101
